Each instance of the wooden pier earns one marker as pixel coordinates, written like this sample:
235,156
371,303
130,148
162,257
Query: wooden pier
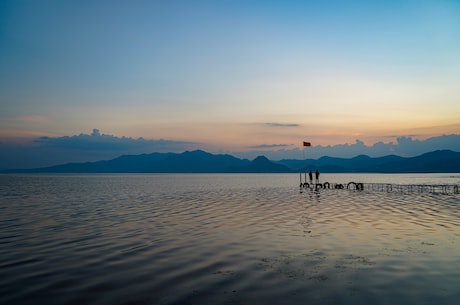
385,187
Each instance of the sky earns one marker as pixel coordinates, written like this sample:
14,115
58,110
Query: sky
240,77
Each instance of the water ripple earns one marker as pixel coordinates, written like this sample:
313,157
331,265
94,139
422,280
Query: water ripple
222,239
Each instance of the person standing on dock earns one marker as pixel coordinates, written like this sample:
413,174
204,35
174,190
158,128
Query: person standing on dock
311,177
317,176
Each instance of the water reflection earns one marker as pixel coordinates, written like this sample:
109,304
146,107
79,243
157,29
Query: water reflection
223,239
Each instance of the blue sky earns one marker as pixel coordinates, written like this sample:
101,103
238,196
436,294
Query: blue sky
230,76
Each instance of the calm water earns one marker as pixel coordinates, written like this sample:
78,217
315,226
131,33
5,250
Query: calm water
225,239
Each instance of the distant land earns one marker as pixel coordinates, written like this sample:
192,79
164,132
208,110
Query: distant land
198,161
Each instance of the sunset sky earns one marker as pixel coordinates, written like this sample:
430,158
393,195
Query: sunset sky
230,75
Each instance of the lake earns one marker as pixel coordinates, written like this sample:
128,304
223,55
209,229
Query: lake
226,239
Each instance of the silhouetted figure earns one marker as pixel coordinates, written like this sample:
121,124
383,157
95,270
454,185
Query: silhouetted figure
311,177
317,176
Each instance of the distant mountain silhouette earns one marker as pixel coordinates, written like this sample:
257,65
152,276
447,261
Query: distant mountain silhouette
440,161
199,161
196,161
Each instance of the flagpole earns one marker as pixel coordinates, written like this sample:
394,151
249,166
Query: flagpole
303,144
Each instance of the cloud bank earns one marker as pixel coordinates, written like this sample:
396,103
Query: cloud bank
102,142
47,151
404,147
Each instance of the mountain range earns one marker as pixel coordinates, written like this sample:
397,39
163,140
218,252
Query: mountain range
198,161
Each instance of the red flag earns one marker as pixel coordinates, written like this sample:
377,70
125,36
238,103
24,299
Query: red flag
306,144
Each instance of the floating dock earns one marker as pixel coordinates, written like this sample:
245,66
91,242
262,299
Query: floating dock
385,187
